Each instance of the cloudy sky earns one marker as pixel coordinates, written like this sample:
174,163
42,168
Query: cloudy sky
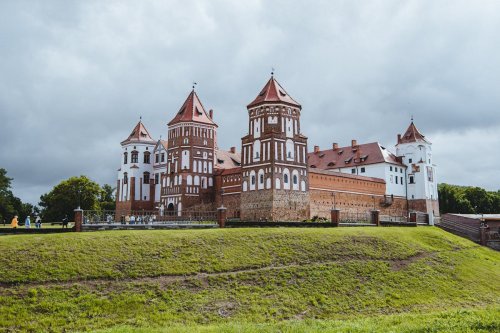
76,75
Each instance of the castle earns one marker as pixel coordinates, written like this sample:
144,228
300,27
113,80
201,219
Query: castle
273,177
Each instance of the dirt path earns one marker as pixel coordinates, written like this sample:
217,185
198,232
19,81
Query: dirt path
395,264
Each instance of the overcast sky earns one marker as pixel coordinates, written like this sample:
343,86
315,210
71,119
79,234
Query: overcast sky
76,75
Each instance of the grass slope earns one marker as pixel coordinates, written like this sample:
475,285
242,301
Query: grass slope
247,280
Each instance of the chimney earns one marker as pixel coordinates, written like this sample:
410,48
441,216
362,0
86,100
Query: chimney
335,146
232,150
211,114
316,149
354,143
399,138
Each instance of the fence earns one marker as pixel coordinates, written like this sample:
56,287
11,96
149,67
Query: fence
143,217
355,217
394,216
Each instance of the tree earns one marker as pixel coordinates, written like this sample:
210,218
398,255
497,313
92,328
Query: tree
467,200
69,194
11,205
107,197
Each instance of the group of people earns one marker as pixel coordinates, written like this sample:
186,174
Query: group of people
27,222
132,219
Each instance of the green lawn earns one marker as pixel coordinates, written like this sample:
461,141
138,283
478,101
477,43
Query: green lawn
290,280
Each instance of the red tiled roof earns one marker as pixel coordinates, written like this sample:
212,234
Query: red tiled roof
273,92
227,160
192,110
344,157
346,175
231,171
139,134
412,134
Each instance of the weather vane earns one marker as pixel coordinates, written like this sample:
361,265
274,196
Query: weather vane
194,84
272,71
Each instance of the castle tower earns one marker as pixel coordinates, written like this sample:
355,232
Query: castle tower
135,185
188,183
275,183
416,152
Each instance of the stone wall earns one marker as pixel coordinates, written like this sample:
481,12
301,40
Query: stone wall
425,206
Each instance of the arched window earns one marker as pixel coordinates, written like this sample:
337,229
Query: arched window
125,178
134,157
295,180
286,179
147,157
125,158
146,177
253,179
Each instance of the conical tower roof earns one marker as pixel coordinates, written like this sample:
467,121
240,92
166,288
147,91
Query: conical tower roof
139,134
412,134
192,111
273,92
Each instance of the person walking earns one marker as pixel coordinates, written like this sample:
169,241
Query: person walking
27,222
38,222
65,222
14,222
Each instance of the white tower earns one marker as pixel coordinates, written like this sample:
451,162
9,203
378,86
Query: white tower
135,184
416,152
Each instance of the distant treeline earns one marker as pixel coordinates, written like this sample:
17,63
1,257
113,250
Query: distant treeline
468,200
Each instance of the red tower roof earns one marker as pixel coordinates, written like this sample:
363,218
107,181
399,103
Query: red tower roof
192,111
139,134
273,92
412,134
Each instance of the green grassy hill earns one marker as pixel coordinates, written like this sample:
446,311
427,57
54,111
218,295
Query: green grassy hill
246,280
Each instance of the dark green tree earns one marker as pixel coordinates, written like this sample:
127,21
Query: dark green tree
11,205
467,200
107,197
69,194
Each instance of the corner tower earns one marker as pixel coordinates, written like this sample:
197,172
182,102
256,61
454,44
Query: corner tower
275,183
188,183
135,187
416,152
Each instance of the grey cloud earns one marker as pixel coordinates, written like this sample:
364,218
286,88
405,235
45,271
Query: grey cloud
76,76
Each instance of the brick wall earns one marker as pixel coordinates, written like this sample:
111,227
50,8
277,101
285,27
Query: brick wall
426,206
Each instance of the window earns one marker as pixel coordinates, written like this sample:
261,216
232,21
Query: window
353,171
157,158
162,157
285,178
400,170
261,179
157,178
147,156
135,157
390,168
363,169
396,169
410,160
146,177
253,180
396,179
412,180
295,180
125,178
125,156
401,179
